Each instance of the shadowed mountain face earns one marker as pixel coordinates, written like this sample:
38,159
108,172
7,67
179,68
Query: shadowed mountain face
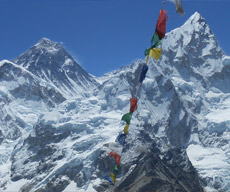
60,119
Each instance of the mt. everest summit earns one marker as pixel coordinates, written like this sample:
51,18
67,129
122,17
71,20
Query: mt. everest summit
49,61
56,119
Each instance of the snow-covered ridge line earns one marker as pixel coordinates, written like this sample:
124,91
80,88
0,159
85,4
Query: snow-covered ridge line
43,82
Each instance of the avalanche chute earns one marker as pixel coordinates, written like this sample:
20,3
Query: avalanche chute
116,148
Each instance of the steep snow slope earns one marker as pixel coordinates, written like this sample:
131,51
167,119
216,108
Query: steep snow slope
22,91
182,120
23,98
51,62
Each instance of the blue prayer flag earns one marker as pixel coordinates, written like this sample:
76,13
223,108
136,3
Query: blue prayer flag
121,139
109,179
143,73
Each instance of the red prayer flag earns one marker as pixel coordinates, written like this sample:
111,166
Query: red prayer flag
161,24
133,104
116,157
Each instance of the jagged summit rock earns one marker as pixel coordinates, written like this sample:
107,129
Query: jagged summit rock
48,45
45,42
196,17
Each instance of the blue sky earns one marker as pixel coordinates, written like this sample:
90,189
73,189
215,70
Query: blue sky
102,35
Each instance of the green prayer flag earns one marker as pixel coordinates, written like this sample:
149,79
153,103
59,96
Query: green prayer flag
156,41
127,117
115,171
155,38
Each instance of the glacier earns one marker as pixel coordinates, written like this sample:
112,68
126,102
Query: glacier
56,119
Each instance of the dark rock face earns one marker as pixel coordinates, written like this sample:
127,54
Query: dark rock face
42,150
152,170
153,174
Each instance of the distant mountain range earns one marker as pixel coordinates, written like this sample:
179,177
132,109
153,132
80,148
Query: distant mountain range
55,119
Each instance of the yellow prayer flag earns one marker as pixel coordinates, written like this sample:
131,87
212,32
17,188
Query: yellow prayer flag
126,129
155,53
113,177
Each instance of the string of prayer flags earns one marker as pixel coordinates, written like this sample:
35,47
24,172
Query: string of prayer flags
157,37
154,52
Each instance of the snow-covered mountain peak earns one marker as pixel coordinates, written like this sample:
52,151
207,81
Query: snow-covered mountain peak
197,24
51,62
45,42
48,45
191,48
196,17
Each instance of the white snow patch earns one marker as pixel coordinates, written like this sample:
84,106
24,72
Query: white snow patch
13,186
209,161
53,116
219,115
72,187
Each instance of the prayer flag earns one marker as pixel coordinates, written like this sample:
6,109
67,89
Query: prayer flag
143,73
133,104
116,157
154,53
126,129
127,118
161,24
121,139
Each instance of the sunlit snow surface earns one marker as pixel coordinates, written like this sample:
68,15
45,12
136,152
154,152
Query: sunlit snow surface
212,163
